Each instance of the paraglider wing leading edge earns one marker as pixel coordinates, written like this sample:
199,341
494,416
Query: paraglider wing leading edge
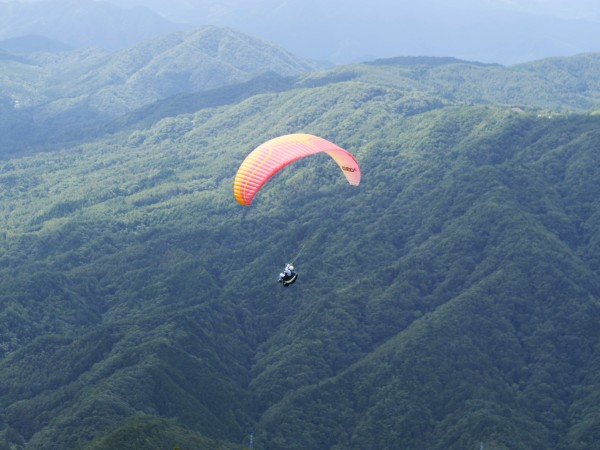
272,156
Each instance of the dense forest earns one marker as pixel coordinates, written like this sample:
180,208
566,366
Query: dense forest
451,301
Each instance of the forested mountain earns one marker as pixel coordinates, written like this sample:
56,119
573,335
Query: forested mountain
450,300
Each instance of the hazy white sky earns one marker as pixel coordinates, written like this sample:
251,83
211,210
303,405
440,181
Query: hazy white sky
573,9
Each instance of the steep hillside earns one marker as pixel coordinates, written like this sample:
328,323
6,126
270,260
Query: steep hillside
451,299
473,298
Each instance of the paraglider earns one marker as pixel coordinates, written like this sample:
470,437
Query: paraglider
272,156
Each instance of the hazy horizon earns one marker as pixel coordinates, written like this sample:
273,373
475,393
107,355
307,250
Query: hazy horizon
175,9
493,31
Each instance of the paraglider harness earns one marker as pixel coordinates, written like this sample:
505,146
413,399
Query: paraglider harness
286,279
289,276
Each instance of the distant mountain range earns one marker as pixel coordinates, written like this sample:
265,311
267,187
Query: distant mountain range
102,85
471,30
83,23
317,30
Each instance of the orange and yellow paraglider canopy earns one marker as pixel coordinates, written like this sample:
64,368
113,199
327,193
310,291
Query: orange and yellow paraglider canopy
272,156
